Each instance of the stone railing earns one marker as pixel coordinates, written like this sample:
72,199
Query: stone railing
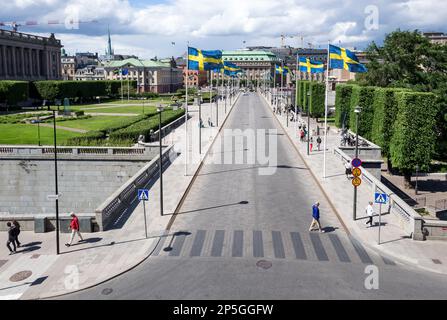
396,206
120,201
27,37
78,153
167,129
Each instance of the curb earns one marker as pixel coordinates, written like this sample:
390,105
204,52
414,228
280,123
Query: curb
166,231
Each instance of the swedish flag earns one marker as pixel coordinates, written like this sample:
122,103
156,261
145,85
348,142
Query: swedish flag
310,66
230,69
204,59
281,70
341,58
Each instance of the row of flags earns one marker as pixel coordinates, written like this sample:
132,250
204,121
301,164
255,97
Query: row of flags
123,72
210,60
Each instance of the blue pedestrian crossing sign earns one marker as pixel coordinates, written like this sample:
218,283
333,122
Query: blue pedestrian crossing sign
143,194
381,198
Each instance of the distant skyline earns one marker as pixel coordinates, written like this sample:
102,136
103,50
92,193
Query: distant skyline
147,28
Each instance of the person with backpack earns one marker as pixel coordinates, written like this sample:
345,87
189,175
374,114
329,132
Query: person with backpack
370,213
74,226
318,142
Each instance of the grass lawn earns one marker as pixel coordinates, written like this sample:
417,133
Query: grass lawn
93,123
27,134
130,109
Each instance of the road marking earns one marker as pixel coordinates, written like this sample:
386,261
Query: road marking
238,243
363,255
339,249
278,246
159,245
197,245
258,244
318,247
179,240
298,247
216,250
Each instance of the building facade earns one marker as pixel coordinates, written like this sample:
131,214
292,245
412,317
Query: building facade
436,37
68,64
90,73
150,75
28,57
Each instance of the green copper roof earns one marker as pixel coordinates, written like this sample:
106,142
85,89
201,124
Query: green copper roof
247,55
136,63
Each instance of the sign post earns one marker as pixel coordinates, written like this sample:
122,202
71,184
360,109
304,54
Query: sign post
356,172
143,194
380,198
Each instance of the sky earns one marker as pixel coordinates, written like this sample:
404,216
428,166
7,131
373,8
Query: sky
147,28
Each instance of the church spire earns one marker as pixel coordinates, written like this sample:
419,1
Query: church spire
109,44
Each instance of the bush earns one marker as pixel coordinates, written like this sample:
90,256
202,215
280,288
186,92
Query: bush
87,139
13,92
385,113
413,141
342,104
305,90
145,126
364,98
149,95
79,113
317,97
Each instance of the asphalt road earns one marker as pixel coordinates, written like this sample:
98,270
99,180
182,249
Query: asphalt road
241,234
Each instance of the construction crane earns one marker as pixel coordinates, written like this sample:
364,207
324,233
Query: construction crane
283,38
14,25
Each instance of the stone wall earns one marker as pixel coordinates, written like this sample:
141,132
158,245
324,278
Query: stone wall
83,184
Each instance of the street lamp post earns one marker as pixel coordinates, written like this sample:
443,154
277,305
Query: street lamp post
417,174
357,111
199,101
56,183
308,122
160,164
38,129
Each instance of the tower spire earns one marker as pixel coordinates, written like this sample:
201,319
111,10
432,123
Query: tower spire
109,42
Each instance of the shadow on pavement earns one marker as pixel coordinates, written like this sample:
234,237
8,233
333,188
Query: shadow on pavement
215,207
329,229
31,244
178,233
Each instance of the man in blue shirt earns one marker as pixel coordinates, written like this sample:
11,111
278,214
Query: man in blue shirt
315,217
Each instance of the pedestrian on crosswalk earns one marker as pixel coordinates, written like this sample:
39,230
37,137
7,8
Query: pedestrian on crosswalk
370,213
11,238
315,217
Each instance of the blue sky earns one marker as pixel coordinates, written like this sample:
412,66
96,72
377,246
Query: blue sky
147,27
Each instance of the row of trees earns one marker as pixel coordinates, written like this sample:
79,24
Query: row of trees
310,96
400,121
12,92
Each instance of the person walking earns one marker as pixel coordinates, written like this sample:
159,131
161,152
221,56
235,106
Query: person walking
348,169
311,143
370,213
315,217
11,238
74,226
318,142
302,135
17,232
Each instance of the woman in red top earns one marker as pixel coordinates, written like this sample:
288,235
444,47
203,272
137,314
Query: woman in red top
74,226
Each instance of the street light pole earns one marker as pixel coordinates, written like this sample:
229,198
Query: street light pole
357,112
38,129
56,183
199,101
417,174
308,122
160,164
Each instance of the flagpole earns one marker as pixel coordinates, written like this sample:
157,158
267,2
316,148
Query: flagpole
211,92
186,110
296,94
221,84
325,111
280,89
121,78
128,94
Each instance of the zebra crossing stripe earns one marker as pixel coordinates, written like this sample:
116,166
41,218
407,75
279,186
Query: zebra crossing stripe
197,245
238,243
318,247
216,250
278,246
339,249
298,246
258,245
363,255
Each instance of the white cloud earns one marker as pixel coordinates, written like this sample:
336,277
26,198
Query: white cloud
151,27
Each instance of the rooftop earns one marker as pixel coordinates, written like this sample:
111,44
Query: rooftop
136,63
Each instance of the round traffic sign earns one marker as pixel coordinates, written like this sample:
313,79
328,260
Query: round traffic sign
356,172
356,162
356,181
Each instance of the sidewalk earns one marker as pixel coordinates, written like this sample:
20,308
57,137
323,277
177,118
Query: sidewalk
429,255
36,272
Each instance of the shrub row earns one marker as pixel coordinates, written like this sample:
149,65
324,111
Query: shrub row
342,103
12,92
317,97
144,127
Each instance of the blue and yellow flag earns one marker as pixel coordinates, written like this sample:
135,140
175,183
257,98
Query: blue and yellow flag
341,58
281,70
204,59
310,66
230,69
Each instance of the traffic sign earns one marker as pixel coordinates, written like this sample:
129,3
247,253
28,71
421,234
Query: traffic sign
53,196
356,181
356,172
143,194
381,198
356,162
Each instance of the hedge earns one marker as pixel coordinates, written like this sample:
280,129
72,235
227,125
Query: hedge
317,97
86,139
342,104
385,113
145,126
414,137
56,89
13,92
305,90
364,98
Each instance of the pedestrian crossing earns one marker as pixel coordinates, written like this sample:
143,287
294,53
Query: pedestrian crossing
310,246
